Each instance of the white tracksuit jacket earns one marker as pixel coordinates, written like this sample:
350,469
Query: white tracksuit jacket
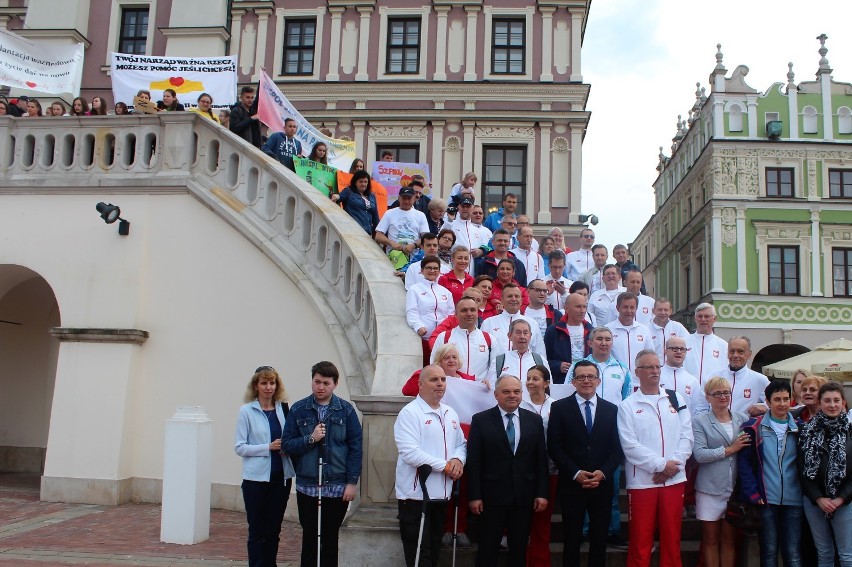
473,348
707,355
426,305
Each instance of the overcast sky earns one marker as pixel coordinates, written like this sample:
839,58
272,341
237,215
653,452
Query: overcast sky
643,59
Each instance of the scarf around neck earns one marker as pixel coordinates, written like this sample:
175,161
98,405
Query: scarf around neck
823,433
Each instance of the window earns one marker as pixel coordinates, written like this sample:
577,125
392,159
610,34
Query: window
779,181
133,35
403,46
840,183
403,153
299,42
507,55
783,270
841,270
505,172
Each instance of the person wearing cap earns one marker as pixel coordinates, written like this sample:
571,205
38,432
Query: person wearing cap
399,230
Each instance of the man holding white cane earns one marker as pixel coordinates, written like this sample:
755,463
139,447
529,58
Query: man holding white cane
323,428
427,432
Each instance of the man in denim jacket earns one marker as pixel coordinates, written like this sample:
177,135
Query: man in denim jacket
323,425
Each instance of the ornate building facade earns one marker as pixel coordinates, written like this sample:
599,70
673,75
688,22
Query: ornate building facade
490,86
754,211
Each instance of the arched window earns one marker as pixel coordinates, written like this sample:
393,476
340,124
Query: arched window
735,118
844,120
809,120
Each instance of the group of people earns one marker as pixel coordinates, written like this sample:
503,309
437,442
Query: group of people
24,106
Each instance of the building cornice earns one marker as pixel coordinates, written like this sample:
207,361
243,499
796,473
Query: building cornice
213,31
69,33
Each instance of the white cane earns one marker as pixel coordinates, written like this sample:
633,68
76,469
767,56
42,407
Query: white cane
319,514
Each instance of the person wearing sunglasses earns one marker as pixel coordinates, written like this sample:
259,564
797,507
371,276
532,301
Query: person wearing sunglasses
675,377
582,260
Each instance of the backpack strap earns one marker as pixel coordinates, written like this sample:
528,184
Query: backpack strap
538,359
673,400
501,359
488,342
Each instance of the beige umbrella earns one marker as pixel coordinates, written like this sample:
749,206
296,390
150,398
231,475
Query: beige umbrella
838,352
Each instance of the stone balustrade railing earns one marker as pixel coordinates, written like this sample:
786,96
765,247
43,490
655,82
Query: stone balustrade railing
326,254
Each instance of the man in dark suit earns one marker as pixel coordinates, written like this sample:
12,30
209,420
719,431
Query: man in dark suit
582,440
507,473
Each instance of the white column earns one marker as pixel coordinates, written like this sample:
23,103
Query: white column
827,108
718,117
187,476
546,44
545,186
751,103
576,172
793,109
742,284
260,51
716,250
437,168
576,45
236,31
816,256
441,47
470,45
364,43
361,142
334,49
467,151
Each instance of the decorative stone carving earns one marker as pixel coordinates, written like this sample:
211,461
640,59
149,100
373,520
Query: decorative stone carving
785,312
729,227
504,132
397,131
452,144
747,176
812,172
347,138
724,176
560,145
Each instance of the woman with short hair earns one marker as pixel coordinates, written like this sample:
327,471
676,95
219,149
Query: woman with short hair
358,200
809,401
267,471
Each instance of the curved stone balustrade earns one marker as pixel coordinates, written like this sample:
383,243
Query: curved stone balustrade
325,253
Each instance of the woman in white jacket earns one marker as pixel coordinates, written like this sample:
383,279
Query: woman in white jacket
267,472
428,303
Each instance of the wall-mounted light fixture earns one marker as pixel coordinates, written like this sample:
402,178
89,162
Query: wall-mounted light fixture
111,213
593,219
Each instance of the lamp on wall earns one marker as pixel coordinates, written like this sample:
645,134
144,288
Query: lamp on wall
593,219
111,213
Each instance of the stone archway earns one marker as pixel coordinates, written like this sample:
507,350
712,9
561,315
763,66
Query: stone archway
28,357
771,354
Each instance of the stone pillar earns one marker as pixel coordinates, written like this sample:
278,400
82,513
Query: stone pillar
378,472
716,251
576,46
260,51
364,43
467,153
185,517
792,103
742,284
816,256
236,31
576,172
470,45
751,103
545,185
334,48
546,75
437,168
441,47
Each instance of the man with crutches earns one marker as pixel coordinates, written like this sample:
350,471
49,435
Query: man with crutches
323,437
432,448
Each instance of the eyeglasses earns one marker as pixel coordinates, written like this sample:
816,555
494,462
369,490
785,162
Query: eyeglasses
677,349
523,223
432,268
588,236
544,289
263,368
722,394
650,367
586,378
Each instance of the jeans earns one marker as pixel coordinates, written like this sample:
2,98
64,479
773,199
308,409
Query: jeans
781,531
333,512
265,503
822,528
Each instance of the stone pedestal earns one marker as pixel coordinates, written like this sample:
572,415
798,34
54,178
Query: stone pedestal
187,473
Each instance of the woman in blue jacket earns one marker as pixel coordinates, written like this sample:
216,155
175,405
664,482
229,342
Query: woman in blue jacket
267,471
360,203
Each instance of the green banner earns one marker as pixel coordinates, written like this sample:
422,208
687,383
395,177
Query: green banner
321,176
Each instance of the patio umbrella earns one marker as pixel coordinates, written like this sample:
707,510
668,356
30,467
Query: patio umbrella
837,352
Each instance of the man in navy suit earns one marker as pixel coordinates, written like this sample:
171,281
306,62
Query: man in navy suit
582,440
507,473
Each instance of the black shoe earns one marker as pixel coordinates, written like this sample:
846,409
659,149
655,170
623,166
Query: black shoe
616,541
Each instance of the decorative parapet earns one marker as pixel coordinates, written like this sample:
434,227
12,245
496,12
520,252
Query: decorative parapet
326,254
823,313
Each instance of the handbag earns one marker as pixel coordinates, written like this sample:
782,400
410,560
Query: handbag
741,513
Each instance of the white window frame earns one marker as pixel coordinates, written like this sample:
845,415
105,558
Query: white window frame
766,237
281,16
115,23
814,117
828,243
799,188
497,139
423,61
490,13
840,118
829,164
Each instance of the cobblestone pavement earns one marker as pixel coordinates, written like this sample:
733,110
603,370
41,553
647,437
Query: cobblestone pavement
47,534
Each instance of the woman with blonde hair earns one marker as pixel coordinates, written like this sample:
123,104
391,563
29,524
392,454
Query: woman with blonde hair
796,384
808,397
717,438
267,471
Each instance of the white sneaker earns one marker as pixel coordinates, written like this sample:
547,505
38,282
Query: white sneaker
504,543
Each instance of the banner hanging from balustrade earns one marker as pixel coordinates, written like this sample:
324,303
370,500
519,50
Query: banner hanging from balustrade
394,175
273,109
321,176
189,77
39,66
